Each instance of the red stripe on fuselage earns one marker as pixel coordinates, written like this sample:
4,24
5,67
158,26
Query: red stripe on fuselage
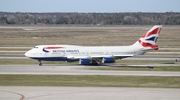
52,47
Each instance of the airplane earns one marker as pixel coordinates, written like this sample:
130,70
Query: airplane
95,55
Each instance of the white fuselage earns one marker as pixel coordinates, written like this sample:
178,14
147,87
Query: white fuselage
73,52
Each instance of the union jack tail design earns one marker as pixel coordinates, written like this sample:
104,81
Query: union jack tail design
148,40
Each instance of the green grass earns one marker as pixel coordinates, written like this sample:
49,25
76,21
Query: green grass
90,80
19,36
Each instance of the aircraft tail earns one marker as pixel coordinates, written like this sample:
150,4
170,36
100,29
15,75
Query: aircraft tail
148,40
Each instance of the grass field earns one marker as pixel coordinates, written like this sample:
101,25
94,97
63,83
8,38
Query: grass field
118,35
29,36
90,80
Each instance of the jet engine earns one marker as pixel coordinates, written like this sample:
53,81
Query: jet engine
85,61
108,60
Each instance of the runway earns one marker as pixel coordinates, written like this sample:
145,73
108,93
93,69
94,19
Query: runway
86,93
75,70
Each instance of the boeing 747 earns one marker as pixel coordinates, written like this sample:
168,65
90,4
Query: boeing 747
90,55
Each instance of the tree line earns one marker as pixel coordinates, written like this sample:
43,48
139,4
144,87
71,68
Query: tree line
168,18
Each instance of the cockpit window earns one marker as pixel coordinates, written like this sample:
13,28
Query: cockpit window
35,47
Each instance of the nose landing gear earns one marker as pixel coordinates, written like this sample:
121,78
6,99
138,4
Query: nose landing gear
40,64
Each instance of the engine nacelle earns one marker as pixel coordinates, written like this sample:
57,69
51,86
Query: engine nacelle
108,60
85,61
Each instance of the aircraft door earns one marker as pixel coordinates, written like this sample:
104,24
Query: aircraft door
87,53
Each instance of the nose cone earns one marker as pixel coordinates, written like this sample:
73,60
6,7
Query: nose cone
27,54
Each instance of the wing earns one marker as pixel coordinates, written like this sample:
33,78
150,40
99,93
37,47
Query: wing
100,56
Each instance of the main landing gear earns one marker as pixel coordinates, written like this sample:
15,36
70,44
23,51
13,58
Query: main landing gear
40,64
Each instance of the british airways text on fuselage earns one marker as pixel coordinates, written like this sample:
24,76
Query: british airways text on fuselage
54,51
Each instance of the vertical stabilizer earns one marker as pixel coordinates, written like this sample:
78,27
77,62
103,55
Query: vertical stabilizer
148,40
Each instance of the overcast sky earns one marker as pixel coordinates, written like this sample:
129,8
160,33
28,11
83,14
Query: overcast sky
90,5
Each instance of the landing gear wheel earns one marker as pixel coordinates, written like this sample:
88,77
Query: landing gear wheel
40,64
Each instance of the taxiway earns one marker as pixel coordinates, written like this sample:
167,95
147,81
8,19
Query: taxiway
75,70
86,93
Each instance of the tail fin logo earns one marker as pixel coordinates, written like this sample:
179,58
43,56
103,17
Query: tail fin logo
149,39
153,31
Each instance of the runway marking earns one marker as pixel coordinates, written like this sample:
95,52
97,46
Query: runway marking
95,93
47,95
22,96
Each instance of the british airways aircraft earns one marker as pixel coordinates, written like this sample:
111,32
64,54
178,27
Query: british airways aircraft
94,55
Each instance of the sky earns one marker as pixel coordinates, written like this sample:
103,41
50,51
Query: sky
99,6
